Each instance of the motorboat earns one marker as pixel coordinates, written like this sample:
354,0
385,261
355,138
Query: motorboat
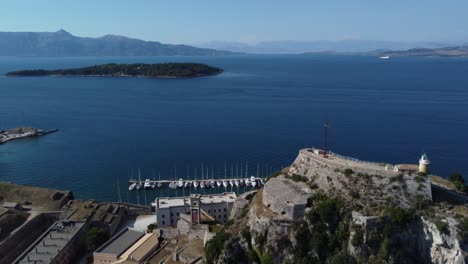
247,182
241,182
218,183
180,183
147,184
225,184
195,184
236,182
231,182
202,184
212,183
253,181
132,186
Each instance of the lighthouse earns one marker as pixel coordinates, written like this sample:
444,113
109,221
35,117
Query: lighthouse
424,164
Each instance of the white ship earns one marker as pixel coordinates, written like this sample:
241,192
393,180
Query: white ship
384,57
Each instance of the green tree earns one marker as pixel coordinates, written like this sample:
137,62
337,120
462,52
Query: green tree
456,177
94,238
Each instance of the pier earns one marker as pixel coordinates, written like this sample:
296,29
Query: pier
135,184
22,132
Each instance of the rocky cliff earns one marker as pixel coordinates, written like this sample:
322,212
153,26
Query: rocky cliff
348,218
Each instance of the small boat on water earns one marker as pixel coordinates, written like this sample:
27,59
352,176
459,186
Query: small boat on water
132,186
212,184
180,184
159,181
189,184
186,184
173,185
147,184
384,57
236,182
218,183
247,182
202,184
231,182
241,182
253,181
225,184
139,184
153,183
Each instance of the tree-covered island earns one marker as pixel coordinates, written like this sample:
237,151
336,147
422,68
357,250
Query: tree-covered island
161,70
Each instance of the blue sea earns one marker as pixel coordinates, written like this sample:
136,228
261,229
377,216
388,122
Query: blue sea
260,111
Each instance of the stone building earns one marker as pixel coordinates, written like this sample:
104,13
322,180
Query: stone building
286,197
61,243
169,210
127,246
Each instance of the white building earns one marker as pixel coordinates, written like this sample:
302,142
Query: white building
169,209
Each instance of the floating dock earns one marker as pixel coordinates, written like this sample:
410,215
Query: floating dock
181,183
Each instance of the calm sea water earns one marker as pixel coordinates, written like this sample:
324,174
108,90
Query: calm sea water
262,110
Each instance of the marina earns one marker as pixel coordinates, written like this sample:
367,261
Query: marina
252,181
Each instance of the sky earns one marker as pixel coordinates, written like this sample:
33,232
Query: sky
248,21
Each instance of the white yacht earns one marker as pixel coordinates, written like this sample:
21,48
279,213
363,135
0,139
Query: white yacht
212,183
132,186
253,181
180,184
147,184
247,182
195,184
384,57
225,184
202,184
236,182
218,183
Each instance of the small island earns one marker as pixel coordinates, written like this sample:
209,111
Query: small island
161,70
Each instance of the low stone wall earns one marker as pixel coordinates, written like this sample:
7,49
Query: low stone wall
440,194
19,241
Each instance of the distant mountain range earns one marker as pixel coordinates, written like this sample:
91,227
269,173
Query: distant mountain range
459,51
62,43
299,47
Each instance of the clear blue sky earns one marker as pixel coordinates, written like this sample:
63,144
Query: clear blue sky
195,21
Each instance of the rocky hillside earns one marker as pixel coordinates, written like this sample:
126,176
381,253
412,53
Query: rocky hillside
339,215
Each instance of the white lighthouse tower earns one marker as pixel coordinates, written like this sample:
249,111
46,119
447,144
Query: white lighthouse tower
424,164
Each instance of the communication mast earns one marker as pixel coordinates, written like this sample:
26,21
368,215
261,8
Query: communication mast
325,143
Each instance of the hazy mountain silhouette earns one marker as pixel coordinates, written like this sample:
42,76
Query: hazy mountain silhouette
298,47
62,43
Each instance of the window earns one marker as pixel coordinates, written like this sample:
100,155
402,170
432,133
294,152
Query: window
224,209
209,211
163,222
172,214
177,214
162,216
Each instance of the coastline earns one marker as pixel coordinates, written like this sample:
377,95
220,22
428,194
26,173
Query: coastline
118,76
